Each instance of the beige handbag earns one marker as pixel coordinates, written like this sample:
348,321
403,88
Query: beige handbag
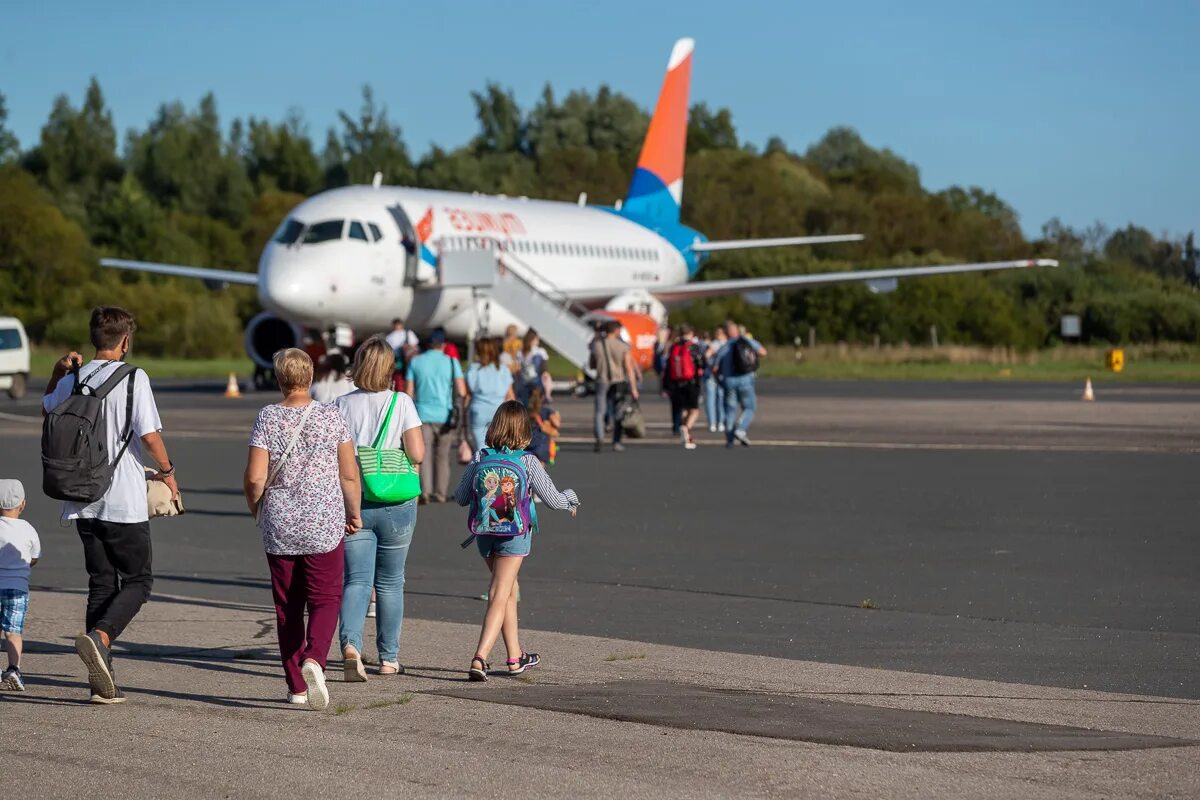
159,501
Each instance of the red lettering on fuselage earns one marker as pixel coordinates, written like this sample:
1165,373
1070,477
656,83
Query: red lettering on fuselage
507,223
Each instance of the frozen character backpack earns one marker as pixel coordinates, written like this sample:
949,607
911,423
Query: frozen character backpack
501,497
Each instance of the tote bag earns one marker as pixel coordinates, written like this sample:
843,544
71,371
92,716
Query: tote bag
388,476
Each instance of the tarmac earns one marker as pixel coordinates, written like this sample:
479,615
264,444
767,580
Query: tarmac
852,607
600,718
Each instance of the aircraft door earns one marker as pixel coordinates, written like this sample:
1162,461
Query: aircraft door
410,243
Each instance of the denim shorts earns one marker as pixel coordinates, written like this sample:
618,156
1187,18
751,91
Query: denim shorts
504,545
13,605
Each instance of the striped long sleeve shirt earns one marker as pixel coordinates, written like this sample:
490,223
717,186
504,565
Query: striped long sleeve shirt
539,482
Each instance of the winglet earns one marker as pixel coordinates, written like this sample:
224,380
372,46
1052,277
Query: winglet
657,187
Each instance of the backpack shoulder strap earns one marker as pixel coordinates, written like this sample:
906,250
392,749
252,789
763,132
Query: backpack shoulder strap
126,370
119,374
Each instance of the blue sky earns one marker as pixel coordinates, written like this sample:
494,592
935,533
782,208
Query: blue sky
1082,110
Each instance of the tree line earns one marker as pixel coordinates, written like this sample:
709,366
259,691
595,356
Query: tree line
186,189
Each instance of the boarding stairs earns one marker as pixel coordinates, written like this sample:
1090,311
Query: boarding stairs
497,275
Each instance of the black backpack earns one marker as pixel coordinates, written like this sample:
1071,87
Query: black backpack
75,463
745,357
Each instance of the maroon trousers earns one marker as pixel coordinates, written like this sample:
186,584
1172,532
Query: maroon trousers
299,582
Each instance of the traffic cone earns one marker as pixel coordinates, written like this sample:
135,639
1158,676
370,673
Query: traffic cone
231,388
1088,394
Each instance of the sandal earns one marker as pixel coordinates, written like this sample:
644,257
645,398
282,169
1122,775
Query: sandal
352,666
526,661
474,674
390,669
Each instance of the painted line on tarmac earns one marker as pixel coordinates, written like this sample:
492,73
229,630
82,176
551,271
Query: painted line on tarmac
21,417
950,446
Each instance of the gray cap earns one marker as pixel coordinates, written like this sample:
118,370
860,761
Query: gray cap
12,493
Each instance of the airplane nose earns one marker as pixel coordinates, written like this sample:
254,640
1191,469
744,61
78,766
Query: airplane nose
286,283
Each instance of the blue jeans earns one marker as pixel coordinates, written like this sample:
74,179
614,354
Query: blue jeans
714,401
739,390
375,556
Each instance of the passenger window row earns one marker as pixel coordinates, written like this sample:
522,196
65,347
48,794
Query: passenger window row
531,247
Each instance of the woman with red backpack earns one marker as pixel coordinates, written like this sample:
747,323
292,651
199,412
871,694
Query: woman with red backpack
685,373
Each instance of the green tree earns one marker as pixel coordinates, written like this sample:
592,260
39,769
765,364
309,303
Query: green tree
367,144
9,146
185,164
709,130
76,157
280,157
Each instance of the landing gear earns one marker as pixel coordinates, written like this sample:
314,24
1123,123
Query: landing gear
264,379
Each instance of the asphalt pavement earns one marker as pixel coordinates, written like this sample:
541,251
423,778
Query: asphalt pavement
986,531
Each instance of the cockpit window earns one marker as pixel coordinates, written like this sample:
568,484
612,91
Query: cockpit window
357,231
376,234
326,231
289,231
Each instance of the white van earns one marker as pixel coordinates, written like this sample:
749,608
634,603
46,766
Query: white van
14,357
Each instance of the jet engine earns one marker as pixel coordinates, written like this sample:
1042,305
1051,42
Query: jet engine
267,334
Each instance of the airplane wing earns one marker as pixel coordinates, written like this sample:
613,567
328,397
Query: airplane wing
787,241
881,278
209,276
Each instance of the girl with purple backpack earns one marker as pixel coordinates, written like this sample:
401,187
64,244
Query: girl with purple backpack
497,488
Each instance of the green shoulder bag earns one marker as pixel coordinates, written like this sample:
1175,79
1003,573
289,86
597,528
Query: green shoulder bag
387,474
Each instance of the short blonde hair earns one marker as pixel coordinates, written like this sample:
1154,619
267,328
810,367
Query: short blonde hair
293,369
374,364
510,427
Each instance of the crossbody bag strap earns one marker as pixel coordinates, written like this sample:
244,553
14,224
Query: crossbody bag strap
387,419
287,451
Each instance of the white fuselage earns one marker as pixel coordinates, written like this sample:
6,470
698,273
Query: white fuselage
376,259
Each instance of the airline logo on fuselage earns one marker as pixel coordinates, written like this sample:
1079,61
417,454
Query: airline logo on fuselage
466,221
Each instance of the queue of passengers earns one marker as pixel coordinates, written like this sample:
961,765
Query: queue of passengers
334,489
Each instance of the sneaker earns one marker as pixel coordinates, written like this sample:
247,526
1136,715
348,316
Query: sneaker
689,446
298,699
713,428
683,436
12,681
742,437
527,661
371,610
353,670
721,427
98,660
117,697
618,447
314,679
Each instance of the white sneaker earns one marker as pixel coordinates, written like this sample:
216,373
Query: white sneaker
371,609
314,679
713,428
721,427
298,699
12,681
742,437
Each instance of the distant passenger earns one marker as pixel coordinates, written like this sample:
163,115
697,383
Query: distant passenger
546,425
662,346
616,378
531,363
436,383
490,385
714,392
114,529
498,488
386,429
404,346
685,372
510,350
302,485
331,381
736,365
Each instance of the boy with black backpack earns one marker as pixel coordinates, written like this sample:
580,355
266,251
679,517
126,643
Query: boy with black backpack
737,362
685,371
101,425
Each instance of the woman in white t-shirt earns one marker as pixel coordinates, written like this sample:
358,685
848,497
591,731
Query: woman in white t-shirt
375,556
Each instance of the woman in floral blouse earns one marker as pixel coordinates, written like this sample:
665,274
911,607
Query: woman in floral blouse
304,508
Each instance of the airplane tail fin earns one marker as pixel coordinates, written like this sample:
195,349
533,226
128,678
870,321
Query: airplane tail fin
657,188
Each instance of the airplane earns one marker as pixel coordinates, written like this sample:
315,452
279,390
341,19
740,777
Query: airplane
347,261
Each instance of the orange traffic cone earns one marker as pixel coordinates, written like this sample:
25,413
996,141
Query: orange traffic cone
1088,394
231,388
